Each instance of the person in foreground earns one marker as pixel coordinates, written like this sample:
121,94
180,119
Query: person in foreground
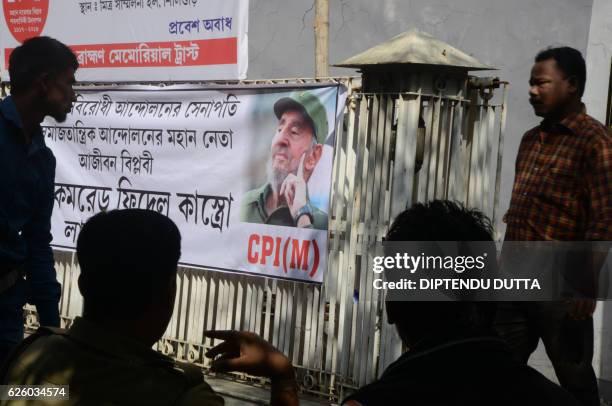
42,75
453,357
128,262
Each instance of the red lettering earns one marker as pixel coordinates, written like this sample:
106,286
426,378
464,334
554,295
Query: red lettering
267,248
253,256
279,241
300,254
264,248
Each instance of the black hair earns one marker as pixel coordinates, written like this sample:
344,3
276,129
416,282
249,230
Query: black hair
127,260
569,61
441,220
36,56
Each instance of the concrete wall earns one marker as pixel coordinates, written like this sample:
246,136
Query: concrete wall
599,59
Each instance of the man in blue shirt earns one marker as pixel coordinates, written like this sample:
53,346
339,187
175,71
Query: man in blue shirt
42,74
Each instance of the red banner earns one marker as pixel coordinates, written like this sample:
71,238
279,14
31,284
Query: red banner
219,51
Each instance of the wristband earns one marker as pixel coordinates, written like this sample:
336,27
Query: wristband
305,210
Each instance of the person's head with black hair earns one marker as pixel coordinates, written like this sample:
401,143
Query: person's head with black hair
41,74
557,82
438,220
128,261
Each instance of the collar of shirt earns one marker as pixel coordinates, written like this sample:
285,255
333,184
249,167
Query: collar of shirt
280,216
113,344
263,196
8,109
434,345
256,200
570,124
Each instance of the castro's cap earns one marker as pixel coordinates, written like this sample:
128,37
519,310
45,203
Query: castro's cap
309,104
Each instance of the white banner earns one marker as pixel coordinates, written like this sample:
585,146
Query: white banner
137,40
226,165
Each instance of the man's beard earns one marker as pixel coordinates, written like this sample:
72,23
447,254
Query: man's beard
276,176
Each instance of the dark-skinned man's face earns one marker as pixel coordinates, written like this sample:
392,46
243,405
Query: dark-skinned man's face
60,94
550,89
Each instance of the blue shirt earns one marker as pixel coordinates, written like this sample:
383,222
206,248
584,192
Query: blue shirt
27,174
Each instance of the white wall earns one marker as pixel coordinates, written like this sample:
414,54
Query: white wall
599,59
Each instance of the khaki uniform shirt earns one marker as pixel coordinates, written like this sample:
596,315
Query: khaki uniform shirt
103,368
253,210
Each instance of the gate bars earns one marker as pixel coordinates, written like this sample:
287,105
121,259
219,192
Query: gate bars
392,149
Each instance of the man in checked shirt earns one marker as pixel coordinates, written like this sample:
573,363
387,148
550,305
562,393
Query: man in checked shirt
562,192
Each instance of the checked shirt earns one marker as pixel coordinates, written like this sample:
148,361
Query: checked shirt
563,183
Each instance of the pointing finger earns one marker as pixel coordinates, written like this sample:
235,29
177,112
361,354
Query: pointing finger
300,171
227,364
282,188
287,192
222,348
221,334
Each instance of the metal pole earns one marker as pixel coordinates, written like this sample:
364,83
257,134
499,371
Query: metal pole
500,153
321,27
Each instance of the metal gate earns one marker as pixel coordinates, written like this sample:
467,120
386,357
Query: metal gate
392,149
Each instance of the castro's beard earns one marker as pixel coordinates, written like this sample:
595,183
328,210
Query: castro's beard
276,176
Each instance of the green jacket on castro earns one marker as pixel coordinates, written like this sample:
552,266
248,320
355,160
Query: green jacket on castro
253,210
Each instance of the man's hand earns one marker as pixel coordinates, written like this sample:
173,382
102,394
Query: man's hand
581,309
247,352
294,189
